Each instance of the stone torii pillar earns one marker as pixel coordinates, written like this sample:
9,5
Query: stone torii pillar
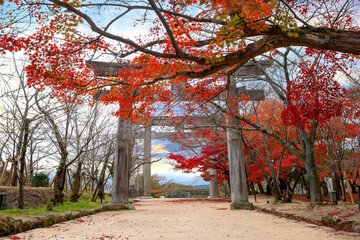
147,162
237,168
214,184
120,190
120,187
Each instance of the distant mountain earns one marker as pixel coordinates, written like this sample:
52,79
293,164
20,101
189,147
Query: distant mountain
185,179
202,186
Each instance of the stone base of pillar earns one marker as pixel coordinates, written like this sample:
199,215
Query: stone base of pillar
242,206
146,197
117,207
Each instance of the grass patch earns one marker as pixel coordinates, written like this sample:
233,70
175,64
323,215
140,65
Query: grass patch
41,211
83,204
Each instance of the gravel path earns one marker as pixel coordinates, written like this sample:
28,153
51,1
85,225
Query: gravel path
167,219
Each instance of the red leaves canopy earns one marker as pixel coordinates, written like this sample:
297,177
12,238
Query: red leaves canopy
315,95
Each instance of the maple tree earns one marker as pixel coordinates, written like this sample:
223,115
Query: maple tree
267,154
209,152
314,98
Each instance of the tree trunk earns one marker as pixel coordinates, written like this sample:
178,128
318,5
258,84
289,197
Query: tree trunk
288,193
60,175
275,190
22,163
31,167
333,167
59,179
342,185
19,147
14,179
274,186
292,189
313,176
76,183
31,159
120,191
99,190
226,187
307,144
335,178
261,189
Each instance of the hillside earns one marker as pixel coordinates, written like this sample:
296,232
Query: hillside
205,186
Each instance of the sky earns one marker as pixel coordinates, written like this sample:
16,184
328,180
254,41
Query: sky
160,150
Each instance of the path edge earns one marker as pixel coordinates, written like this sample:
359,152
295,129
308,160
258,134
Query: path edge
11,226
352,230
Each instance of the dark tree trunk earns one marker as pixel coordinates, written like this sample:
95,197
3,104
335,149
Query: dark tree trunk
59,179
273,188
261,189
76,183
15,176
307,144
276,191
22,164
333,167
19,147
271,181
342,185
335,178
99,190
226,187
313,176
31,162
292,189
307,188
324,189
288,192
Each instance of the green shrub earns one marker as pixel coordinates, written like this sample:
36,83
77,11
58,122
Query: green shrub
40,179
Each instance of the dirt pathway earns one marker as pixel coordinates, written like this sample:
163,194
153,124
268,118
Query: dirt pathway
166,219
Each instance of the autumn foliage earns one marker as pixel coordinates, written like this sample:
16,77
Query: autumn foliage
315,95
58,50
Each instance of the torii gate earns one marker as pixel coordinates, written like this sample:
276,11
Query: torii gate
236,160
